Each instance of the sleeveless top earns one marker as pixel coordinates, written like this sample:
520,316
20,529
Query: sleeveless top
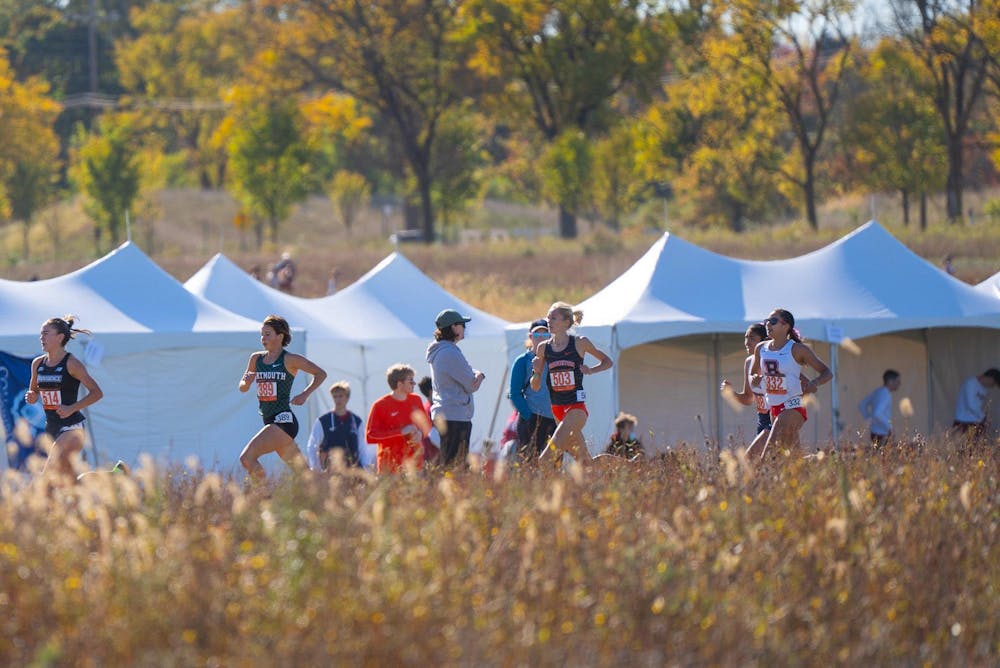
781,376
57,387
274,386
563,375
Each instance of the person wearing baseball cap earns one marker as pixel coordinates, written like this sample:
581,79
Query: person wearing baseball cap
454,381
535,423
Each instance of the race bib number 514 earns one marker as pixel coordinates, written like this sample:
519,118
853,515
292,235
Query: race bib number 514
51,399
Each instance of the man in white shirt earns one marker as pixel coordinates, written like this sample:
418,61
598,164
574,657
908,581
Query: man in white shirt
970,409
877,408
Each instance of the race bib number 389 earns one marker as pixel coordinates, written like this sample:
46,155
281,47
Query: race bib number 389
267,390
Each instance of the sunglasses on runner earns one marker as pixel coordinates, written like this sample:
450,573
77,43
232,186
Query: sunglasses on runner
773,320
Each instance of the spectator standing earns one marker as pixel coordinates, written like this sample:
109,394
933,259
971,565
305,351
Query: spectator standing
454,383
970,408
339,430
283,273
397,423
877,408
535,422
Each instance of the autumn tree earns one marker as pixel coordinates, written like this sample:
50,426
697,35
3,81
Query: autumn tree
893,131
106,169
270,161
459,161
566,171
562,63
797,52
349,192
29,148
400,58
947,39
183,58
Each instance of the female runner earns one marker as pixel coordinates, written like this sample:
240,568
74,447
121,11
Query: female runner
56,377
274,371
778,364
752,394
560,358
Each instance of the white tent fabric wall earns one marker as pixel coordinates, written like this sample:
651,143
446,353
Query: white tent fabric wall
390,312
991,285
170,364
385,317
859,288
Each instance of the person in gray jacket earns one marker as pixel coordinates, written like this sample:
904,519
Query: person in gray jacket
454,381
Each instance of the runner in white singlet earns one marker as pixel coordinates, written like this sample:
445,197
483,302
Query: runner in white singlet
778,364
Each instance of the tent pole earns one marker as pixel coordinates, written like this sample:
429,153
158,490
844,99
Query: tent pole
834,397
713,389
930,380
496,404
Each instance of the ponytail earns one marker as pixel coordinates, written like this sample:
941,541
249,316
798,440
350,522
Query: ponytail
64,326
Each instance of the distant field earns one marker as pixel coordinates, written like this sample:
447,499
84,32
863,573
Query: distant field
863,559
508,263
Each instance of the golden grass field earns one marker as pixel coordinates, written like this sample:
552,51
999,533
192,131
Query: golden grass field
856,559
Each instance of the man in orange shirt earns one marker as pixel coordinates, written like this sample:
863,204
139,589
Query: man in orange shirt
397,423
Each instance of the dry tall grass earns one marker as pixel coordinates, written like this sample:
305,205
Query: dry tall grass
852,559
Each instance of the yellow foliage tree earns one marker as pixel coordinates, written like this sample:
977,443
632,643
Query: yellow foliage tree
29,148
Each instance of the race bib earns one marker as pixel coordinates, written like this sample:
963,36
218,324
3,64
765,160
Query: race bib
581,396
267,390
775,385
51,399
562,381
284,418
793,402
760,402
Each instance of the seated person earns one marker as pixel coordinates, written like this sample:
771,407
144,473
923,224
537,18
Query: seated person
624,442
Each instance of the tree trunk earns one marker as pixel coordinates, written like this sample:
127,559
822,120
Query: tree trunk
955,180
906,207
426,208
809,189
411,215
923,212
567,223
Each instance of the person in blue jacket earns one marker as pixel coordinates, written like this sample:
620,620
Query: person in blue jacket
535,423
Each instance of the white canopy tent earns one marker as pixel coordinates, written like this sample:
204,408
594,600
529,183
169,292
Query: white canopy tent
991,285
385,317
167,361
673,323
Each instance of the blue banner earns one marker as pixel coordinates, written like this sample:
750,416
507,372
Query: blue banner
15,374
